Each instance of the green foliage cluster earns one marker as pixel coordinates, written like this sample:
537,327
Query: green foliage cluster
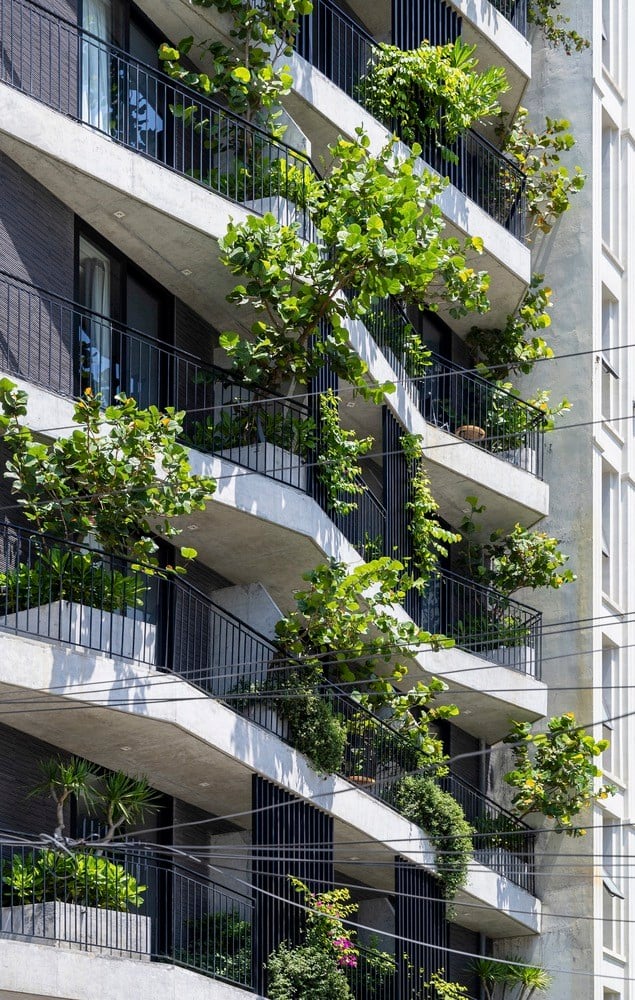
433,89
554,772
440,989
421,801
545,15
314,728
241,427
81,577
378,233
317,967
339,451
248,74
517,346
510,561
549,184
121,476
344,629
86,879
510,978
116,797
74,876
305,971
429,539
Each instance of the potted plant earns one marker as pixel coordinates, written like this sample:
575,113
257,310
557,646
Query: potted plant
70,894
118,480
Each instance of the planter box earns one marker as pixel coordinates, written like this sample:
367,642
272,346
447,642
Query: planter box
106,631
522,658
87,928
525,458
267,717
272,460
286,212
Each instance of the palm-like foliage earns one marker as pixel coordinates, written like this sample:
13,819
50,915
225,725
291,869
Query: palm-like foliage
510,979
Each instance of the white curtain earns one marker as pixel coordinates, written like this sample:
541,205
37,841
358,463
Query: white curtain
96,64
96,334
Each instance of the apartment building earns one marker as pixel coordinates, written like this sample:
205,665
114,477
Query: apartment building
111,212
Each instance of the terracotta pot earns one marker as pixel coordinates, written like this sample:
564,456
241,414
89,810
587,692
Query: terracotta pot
360,779
470,432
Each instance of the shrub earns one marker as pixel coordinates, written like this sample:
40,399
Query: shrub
87,879
421,801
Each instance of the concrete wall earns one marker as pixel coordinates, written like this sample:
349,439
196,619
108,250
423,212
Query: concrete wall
562,87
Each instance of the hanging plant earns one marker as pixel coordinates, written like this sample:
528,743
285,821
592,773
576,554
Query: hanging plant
338,456
421,801
429,539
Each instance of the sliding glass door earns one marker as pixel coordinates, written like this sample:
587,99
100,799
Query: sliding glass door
121,327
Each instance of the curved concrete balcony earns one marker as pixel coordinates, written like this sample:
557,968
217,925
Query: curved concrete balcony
123,715
485,197
62,346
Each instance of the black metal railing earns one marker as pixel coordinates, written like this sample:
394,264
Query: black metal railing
514,11
129,904
482,621
457,400
64,347
74,594
81,76
482,172
480,412
345,52
373,977
77,595
501,841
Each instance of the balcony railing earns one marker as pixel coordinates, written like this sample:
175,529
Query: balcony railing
501,840
64,347
515,11
84,78
482,621
478,411
460,401
80,596
184,919
344,51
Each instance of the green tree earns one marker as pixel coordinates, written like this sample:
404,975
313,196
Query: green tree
554,772
249,74
121,476
378,233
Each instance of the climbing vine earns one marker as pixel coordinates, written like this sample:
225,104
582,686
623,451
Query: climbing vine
429,538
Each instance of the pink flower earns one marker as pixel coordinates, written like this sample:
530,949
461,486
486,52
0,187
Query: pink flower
348,960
